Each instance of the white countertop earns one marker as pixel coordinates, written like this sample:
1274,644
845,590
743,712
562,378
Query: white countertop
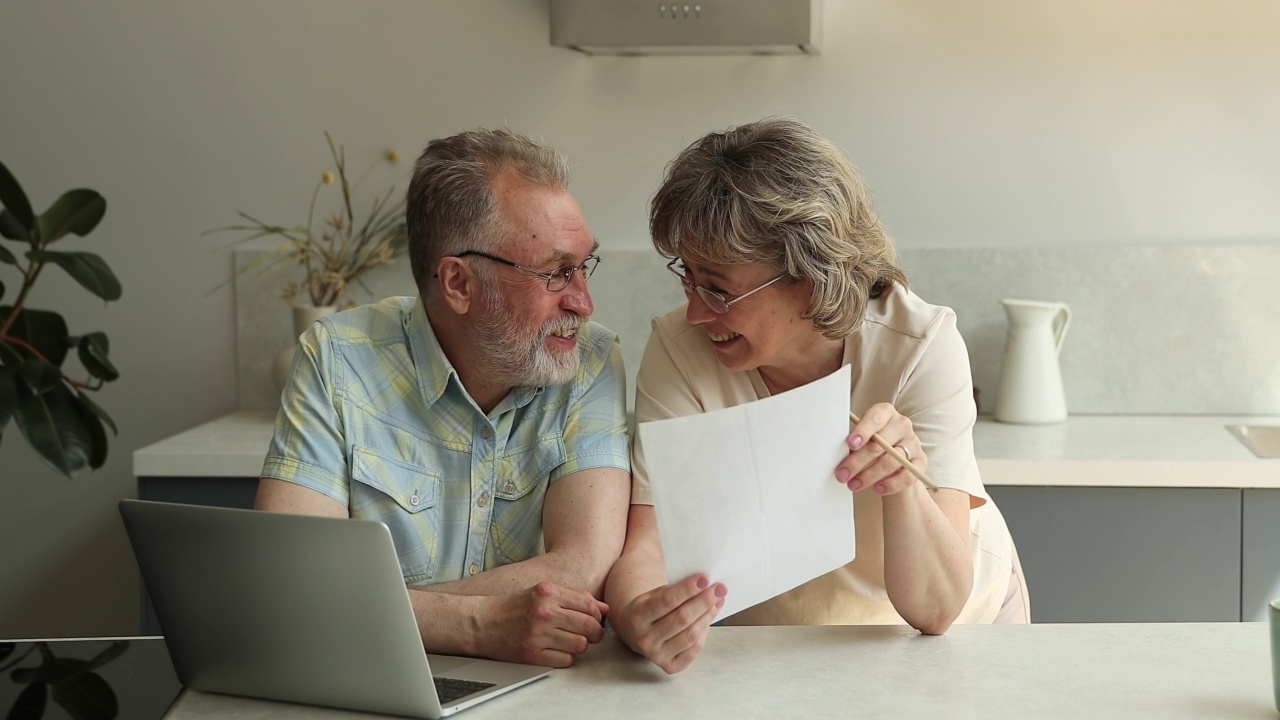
1124,451
1169,671
1084,451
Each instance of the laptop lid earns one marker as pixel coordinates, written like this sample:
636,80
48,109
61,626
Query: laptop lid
296,608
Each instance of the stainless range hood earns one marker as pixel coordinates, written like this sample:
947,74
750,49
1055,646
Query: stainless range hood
710,27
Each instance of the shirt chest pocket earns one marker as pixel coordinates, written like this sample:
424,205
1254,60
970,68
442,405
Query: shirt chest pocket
524,473
406,498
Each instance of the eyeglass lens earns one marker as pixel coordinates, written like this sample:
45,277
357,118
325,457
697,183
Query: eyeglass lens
560,279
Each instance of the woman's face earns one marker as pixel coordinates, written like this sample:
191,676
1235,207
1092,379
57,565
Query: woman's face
763,330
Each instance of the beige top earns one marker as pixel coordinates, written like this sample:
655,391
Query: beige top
907,353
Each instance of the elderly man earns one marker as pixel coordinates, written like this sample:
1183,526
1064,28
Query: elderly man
484,421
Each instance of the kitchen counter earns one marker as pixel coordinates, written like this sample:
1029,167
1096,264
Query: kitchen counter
1084,451
1116,518
1185,670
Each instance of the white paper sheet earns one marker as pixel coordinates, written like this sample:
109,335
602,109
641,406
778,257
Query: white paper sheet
748,494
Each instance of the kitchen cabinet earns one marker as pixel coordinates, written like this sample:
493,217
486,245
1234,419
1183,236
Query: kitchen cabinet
1128,554
1260,544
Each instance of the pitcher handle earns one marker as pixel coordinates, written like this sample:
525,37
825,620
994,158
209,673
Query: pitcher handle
1064,313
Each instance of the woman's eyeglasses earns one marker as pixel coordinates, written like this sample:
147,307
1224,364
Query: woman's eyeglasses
714,301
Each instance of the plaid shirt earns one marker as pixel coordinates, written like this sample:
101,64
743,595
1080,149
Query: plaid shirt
376,418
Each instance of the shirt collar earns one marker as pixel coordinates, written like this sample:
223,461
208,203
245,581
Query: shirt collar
435,370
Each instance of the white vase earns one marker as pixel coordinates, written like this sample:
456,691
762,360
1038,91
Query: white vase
304,316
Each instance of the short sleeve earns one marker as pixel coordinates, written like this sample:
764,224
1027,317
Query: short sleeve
308,447
595,432
937,395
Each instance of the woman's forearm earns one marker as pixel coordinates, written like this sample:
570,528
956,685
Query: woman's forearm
928,571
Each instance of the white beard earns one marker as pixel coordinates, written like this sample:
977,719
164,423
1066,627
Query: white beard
517,356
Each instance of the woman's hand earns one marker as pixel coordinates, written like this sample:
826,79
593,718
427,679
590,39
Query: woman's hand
868,465
669,624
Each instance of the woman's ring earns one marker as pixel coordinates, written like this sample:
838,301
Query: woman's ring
905,452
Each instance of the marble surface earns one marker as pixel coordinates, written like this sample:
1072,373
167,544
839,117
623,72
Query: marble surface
1156,329
1124,451
1084,451
1170,671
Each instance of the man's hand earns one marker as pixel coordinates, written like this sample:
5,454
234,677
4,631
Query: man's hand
669,624
545,625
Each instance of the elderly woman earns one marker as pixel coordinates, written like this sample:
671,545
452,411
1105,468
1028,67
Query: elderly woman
789,276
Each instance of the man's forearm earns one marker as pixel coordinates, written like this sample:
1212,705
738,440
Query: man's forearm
448,624
562,568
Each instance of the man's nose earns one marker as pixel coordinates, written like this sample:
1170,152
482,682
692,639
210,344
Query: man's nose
576,297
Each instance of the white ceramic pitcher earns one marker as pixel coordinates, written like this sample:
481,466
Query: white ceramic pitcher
1031,379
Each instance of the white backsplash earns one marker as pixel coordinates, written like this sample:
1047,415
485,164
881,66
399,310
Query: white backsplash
1156,329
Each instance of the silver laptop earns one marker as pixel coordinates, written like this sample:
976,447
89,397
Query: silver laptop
299,609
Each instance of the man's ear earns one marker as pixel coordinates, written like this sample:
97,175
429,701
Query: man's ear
458,285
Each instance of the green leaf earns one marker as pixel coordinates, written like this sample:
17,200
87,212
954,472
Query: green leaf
86,697
39,375
93,355
102,414
11,228
77,211
88,269
8,402
97,435
44,330
30,703
52,426
15,200
7,257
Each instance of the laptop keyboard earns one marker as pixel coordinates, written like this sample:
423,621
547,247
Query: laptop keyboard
450,689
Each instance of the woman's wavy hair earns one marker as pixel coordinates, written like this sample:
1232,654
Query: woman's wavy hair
776,192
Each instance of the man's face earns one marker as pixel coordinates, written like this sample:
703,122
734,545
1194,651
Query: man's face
532,331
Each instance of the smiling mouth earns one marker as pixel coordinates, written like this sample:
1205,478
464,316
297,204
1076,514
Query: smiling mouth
717,338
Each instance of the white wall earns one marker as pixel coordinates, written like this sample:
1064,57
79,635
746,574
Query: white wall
986,122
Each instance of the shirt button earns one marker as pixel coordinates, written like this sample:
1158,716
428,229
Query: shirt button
473,569
510,487
414,500
484,433
484,500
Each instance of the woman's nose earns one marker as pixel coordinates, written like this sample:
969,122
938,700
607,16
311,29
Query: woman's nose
697,312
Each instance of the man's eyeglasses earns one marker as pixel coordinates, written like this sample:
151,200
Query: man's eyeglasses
557,279
717,303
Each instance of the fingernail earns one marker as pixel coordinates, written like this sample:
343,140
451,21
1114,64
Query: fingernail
842,475
879,488
702,583
855,485
855,442
721,591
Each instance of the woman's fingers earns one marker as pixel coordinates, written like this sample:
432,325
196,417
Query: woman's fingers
870,466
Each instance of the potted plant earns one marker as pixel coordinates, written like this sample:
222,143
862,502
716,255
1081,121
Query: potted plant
336,253
332,255
51,407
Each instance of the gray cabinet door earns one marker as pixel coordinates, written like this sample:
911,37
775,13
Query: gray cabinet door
1260,583
1127,554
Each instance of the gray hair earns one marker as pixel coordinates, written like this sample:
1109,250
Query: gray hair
776,192
450,207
